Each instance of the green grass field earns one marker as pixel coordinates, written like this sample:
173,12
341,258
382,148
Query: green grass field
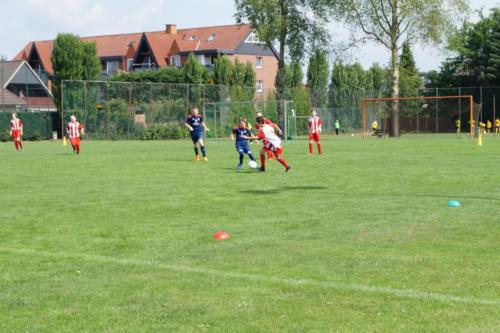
119,239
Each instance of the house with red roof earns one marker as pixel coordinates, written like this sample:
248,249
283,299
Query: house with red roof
22,89
169,47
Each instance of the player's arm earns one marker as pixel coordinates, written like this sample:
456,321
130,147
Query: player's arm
205,126
82,130
189,127
278,130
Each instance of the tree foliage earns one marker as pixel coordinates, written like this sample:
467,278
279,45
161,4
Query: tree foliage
72,59
410,79
290,24
317,78
477,55
391,22
193,71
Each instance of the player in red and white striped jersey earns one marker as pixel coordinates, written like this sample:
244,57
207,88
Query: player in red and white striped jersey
278,130
75,130
272,143
315,127
16,131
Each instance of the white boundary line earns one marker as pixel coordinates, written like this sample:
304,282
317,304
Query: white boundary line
405,293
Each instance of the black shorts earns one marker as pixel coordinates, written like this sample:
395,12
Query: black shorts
196,137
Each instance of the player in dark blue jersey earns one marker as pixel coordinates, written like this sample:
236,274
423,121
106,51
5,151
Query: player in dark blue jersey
241,136
196,127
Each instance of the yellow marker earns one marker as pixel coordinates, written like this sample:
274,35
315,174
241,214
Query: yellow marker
480,139
65,143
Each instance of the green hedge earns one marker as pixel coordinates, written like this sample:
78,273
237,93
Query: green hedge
36,125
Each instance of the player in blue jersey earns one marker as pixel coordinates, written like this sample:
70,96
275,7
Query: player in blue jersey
241,136
196,127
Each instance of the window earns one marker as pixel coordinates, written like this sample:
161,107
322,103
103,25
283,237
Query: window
211,38
201,59
112,66
259,63
260,86
175,61
253,38
130,62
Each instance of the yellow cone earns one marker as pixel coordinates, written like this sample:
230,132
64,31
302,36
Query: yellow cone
480,139
65,143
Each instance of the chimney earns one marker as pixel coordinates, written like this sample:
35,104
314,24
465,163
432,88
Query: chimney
171,29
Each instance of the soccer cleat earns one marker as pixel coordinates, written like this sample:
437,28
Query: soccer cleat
261,170
205,159
197,158
289,169
238,167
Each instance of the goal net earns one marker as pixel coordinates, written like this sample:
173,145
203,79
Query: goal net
425,114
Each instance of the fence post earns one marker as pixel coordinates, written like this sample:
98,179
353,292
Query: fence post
418,123
62,109
437,111
286,120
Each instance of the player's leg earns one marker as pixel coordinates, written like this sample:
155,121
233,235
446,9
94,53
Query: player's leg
311,142
318,143
14,138
280,159
241,153
263,159
77,145
194,138
203,150
248,151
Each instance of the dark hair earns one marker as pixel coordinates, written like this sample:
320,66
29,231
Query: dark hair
260,120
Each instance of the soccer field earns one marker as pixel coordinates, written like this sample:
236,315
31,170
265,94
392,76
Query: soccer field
119,239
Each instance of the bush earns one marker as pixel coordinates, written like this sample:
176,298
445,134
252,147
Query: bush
4,136
169,131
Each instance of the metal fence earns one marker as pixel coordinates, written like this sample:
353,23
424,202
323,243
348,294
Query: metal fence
125,110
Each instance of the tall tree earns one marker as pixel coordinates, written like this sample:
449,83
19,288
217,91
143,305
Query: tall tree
291,24
90,62
390,22
67,61
294,75
194,72
223,71
410,79
493,72
238,77
317,78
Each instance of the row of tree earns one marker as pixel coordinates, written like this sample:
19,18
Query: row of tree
477,59
299,25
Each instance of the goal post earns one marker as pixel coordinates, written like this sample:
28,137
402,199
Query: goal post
378,109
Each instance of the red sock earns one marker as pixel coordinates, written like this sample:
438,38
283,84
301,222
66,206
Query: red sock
20,143
262,160
283,162
78,149
320,151
16,144
310,148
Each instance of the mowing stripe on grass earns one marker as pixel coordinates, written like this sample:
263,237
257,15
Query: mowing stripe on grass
406,293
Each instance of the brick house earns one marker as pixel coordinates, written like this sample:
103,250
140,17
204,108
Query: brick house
170,47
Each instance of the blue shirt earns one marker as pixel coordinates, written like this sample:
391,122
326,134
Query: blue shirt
239,133
196,123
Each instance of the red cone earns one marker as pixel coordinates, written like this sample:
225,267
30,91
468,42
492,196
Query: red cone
221,235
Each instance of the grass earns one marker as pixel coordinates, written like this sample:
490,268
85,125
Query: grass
359,240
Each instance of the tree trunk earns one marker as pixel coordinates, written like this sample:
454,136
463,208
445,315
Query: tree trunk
395,34
395,92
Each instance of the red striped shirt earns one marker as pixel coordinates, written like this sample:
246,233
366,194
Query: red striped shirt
315,124
74,129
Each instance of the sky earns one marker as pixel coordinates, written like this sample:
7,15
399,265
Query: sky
22,21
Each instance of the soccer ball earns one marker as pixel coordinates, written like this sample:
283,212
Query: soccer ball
252,165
